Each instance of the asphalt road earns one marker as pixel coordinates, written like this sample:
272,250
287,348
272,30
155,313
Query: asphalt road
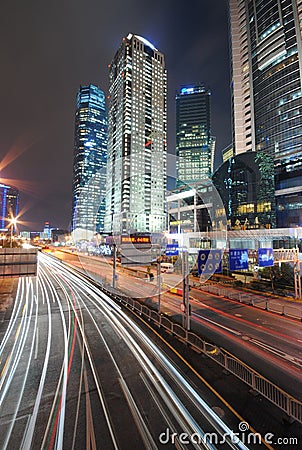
267,342
77,372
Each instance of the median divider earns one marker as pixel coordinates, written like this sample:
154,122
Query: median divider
252,300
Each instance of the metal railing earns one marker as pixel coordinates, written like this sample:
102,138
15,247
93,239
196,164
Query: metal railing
291,406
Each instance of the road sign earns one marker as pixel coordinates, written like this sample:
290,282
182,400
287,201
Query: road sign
209,261
238,259
136,239
265,257
172,250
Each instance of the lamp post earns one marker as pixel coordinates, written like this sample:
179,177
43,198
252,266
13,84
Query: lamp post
158,266
186,307
114,267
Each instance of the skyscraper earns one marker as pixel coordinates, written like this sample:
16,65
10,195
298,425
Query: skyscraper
90,158
194,143
9,204
136,171
267,95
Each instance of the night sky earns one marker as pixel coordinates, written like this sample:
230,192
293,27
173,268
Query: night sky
49,48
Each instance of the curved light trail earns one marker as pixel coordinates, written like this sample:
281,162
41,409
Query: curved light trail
77,371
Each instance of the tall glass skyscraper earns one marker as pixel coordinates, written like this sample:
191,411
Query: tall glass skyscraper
90,159
9,205
267,95
136,171
195,145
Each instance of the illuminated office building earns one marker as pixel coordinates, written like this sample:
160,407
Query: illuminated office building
9,204
195,145
89,167
136,171
266,93
245,183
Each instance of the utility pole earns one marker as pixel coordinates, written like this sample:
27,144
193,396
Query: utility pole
297,275
114,267
186,307
158,265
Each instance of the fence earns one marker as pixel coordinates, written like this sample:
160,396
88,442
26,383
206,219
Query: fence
254,300
291,406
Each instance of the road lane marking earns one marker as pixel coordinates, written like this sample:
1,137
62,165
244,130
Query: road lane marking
277,352
17,332
237,333
6,362
90,434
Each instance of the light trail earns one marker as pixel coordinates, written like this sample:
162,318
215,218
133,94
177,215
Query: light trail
61,391
120,319
277,352
25,377
290,362
17,350
27,439
67,327
94,372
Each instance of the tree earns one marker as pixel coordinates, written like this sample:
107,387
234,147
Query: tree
280,276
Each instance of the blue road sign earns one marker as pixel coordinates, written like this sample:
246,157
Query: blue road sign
238,259
265,257
209,262
172,250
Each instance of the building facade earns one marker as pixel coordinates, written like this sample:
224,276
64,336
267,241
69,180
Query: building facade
195,208
245,183
195,145
227,152
90,159
9,205
266,55
137,121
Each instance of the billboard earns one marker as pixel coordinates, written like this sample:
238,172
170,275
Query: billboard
209,261
265,257
238,259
